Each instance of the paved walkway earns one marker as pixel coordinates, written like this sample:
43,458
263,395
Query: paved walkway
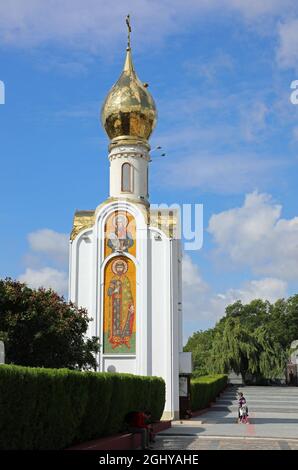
273,413
229,443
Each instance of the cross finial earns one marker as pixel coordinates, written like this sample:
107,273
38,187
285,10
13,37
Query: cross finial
129,31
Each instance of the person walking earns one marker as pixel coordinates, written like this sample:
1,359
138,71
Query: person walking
241,403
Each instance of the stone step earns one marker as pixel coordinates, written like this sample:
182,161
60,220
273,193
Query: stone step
267,390
293,390
258,403
262,393
279,395
260,396
259,406
267,403
255,408
261,399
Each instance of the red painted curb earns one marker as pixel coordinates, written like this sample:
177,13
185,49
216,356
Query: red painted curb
123,441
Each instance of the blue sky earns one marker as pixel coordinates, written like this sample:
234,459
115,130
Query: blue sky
220,72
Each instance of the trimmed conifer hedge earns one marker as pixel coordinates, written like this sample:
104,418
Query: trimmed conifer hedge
205,389
54,408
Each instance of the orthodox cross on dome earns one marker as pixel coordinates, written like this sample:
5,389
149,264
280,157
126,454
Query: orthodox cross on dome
129,112
128,32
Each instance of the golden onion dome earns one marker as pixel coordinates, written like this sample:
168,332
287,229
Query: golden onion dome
129,112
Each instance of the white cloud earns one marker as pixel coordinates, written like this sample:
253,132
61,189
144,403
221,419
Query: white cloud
232,116
47,247
270,289
195,294
256,236
85,24
287,53
254,120
50,243
212,68
47,278
202,306
266,289
219,173
255,8
191,276
67,66
194,289
90,24
211,132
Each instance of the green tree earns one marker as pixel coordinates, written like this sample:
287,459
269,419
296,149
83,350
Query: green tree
200,344
234,347
253,339
252,315
248,352
40,329
290,322
272,357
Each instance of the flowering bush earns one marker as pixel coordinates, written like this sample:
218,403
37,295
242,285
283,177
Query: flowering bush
39,328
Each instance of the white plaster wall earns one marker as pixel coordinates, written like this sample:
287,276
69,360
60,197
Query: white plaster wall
119,364
138,157
80,291
176,317
180,299
158,298
165,316
159,304
139,363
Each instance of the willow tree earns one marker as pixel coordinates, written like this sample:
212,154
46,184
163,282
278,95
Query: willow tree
247,352
272,357
234,348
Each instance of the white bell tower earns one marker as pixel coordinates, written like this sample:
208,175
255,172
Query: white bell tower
129,172
125,258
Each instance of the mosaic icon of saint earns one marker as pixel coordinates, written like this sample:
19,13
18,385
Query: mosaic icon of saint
121,308
120,239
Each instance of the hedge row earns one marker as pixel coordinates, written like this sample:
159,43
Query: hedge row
54,408
205,389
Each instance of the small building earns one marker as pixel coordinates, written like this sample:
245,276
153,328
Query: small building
125,257
292,368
